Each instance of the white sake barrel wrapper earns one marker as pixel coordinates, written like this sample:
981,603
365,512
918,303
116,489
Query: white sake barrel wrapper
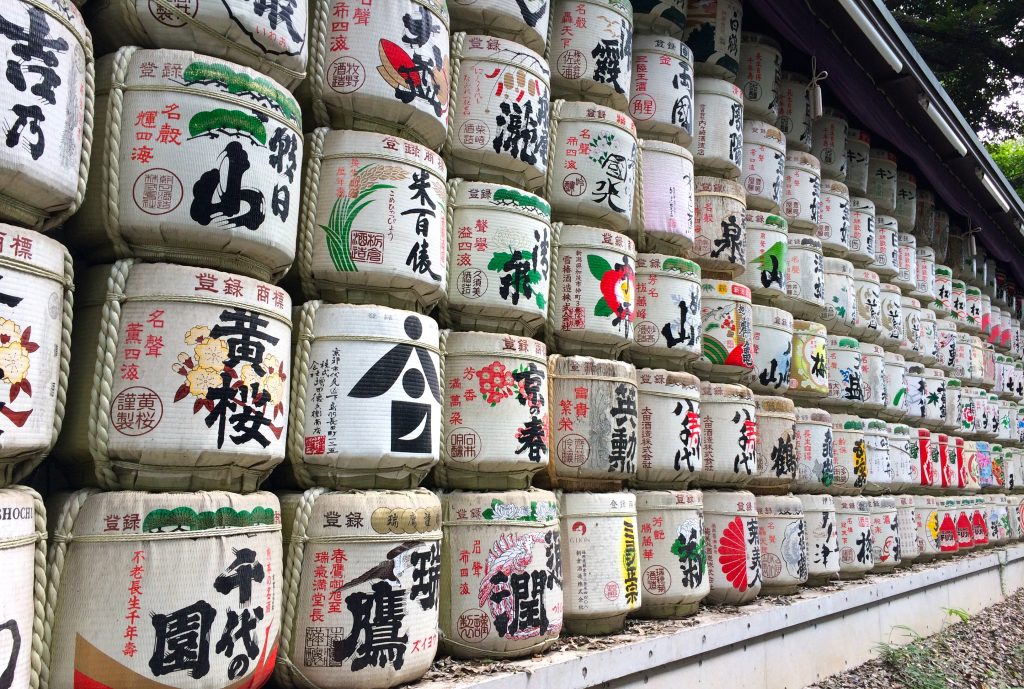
210,624
872,358
673,557
183,379
929,353
829,143
527,23
668,312
858,153
862,232
35,347
880,470
949,529
500,120
593,292
22,558
896,405
815,451
713,32
986,315
795,111
717,144
887,248
845,384
494,423
764,165
849,454
663,216
910,343
47,92
365,367
801,192
395,189
593,406
776,455
805,277
906,199
499,268
869,305
822,538
590,51
834,218
840,314
728,436
853,514
766,253
808,376
660,16
972,305
926,519
943,304
902,439
946,345
998,520
732,539
882,180
1015,510
668,404
958,305
892,317
363,75
772,349
759,75
197,161
924,282
661,102
600,550
782,531
494,545
592,173
923,460
719,219
954,394
727,318
885,534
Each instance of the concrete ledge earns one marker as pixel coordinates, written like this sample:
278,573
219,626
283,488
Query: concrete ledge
775,643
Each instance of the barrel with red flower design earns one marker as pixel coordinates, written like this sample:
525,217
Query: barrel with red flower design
733,540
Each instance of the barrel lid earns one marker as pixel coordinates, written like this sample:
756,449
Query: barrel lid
582,367
928,315
33,251
351,321
584,111
926,251
910,302
898,429
803,241
667,147
910,239
584,236
782,505
571,505
894,358
730,502
404,514
832,186
772,317
725,392
718,87
854,504
500,197
906,178
904,501
875,426
712,288
847,422
763,134
685,385
667,266
871,349
371,145
889,287
843,342
886,222
838,266
531,507
883,155
859,136
952,382
865,275
880,503
21,520
495,344
945,271
766,220
810,415
711,186
803,159
863,205
817,503
925,501
945,324
662,44
775,405
811,328
669,499
493,49
759,39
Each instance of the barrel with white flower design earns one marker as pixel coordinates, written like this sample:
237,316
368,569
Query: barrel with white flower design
902,443
891,307
354,182
732,539
834,222
759,74
668,311
494,416
872,373
590,52
719,225
845,385
814,450
601,553
880,469
663,216
524,22
766,255
764,165
887,254
943,304
661,99
499,267
728,436
673,557
906,200
209,171
795,111
895,386
885,534
154,625
906,513
772,350
670,428
727,320
493,544
808,376
776,458
191,375
660,16
853,515
22,555
862,232
828,141
924,222
500,121
594,422
713,32
929,342
882,180
869,305
593,165
926,521
849,454
910,342
801,192
717,145
822,532
924,281
840,314
906,278
782,531
858,154
805,279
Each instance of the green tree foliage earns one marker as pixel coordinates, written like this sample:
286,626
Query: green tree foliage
1009,156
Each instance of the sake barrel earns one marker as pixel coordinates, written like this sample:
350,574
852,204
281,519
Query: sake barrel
1020,423
22,563
593,168
717,145
992,412
962,367
994,480
895,386
727,320
853,516
502,241
248,189
978,511
494,543
815,454
772,350
998,520
661,97
728,435
1004,386
934,398
719,220
795,111
380,73
782,531
759,75
958,305
892,317
764,165
971,411
906,199
526,23
35,339
668,307
945,446
926,521
494,416
602,583
766,254
887,255
906,515
834,224
673,557
949,529
840,314
660,16
910,343
1016,338
776,458
946,344
902,439
670,428
986,316
862,232
872,374
153,626
906,277
924,281
805,279
882,180
1015,511
808,377
880,469
849,454
593,291
48,46
713,32
591,58
858,153
801,192
941,234
1007,421
996,327
1011,467
869,305
732,540
885,534
499,125
664,216
943,304
970,471
845,387
822,538
189,386
916,393
829,143
365,177
924,222
929,342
